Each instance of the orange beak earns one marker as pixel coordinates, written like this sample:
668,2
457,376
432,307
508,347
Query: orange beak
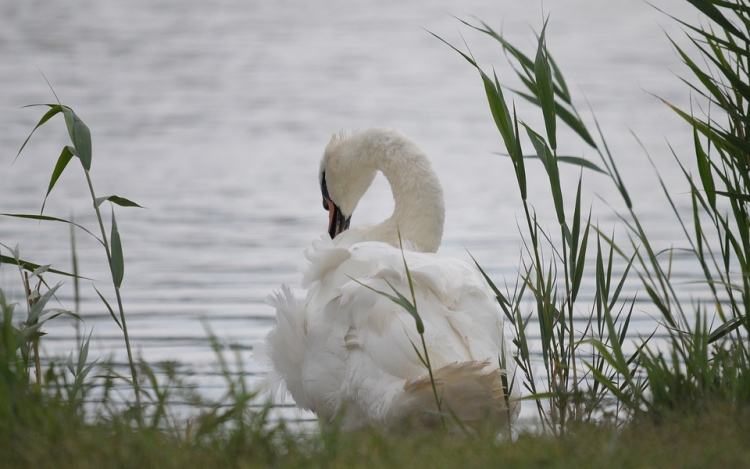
337,222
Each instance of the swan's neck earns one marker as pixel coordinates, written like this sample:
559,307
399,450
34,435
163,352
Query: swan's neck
419,211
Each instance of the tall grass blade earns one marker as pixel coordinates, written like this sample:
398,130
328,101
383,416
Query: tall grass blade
80,369
545,89
76,280
704,170
410,307
54,109
501,299
80,135
118,263
109,308
550,164
518,163
557,76
30,266
62,162
48,218
578,161
578,263
708,8
37,309
572,160
121,201
501,115
39,271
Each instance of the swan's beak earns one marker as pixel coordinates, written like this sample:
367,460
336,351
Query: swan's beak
337,222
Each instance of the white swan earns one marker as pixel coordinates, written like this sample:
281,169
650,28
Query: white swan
348,352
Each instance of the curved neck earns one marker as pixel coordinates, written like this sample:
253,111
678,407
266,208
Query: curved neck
419,211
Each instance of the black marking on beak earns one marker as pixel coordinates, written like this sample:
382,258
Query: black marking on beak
337,222
324,190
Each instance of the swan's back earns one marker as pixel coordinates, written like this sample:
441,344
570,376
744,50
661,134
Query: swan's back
351,349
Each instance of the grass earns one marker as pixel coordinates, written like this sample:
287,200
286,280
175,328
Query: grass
701,441
602,397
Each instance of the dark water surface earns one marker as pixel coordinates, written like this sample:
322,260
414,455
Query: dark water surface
213,115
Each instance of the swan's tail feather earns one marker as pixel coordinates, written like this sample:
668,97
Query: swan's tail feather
285,346
471,392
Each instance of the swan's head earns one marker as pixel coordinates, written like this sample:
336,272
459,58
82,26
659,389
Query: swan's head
346,172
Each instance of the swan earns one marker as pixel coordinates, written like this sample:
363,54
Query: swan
349,353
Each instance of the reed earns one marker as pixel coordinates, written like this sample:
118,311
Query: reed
702,364
707,364
554,265
81,148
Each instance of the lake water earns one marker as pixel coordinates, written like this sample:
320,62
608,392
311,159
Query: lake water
213,114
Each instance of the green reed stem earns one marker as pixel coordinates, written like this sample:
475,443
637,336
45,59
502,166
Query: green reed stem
438,401
131,362
76,282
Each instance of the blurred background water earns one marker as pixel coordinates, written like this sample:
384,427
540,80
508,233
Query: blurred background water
213,115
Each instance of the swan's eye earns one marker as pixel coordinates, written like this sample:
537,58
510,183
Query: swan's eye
324,190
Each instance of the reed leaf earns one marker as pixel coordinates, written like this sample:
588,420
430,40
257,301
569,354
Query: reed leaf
501,299
571,160
704,170
37,309
115,199
578,264
117,263
706,80
62,162
708,8
545,90
31,267
518,163
109,308
550,164
48,218
726,328
80,135
54,109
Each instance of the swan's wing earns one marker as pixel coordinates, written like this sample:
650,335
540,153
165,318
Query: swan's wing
304,361
377,339
285,346
348,345
463,321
